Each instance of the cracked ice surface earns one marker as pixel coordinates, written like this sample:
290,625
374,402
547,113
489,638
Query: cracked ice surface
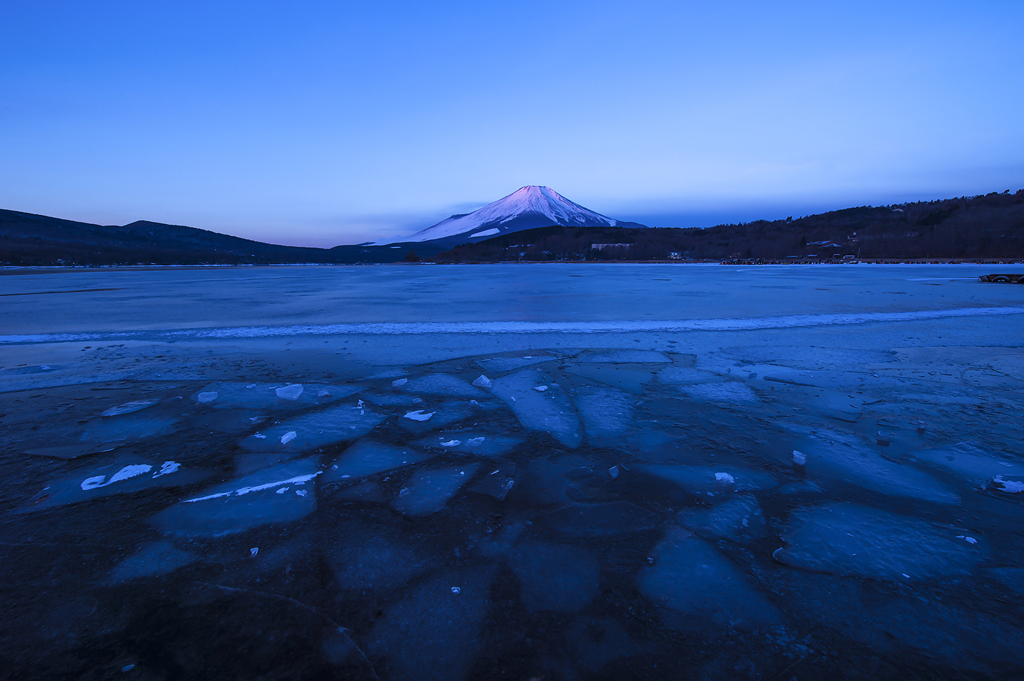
643,517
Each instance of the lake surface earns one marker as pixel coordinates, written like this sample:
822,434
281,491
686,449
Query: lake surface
512,471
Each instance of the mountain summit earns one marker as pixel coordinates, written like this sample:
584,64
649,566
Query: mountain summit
525,208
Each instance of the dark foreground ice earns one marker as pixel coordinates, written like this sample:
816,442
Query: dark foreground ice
821,501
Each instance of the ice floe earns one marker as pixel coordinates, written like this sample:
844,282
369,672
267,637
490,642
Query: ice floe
120,477
705,480
129,407
631,380
727,391
549,411
623,357
503,364
244,503
362,557
152,560
694,585
367,457
434,632
482,381
316,429
606,413
738,518
121,428
497,483
438,416
290,396
441,384
555,577
842,458
974,465
600,520
471,442
853,540
428,490
686,376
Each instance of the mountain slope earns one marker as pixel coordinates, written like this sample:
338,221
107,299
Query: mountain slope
526,208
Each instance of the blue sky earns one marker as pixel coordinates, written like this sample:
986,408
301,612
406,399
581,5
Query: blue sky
320,123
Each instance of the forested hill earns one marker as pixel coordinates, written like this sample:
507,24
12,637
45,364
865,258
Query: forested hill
28,239
989,226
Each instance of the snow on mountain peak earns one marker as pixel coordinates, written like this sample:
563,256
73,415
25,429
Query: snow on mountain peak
529,206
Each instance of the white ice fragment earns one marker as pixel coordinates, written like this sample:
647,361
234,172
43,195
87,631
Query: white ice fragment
1011,486
418,415
123,474
416,400
254,419
129,407
260,436
323,392
456,590
288,437
398,382
281,491
253,551
301,492
969,540
451,443
724,477
614,472
513,398
482,382
541,388
906,575
207,397
475,441
403,492
255,488
167,468
799,458
250,386
360,405
290,392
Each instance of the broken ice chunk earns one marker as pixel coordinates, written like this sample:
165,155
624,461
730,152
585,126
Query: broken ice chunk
317,429
427,491
399,382
483,382
883,439
550,411
238,505
367,457
799,458
540,388
206,397
293,391
852,540
419,415
693,584
363,557
129,407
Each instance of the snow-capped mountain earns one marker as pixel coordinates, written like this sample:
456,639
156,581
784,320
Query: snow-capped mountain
525,208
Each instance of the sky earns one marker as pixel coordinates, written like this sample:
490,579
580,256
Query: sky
326,123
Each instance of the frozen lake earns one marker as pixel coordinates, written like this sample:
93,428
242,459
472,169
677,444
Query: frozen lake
514,471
